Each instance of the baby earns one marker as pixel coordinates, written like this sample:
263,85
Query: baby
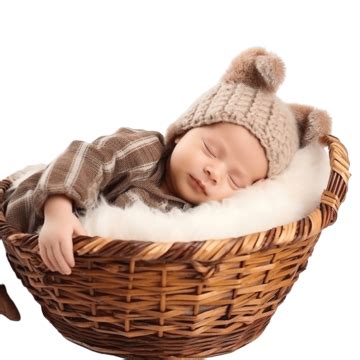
237,133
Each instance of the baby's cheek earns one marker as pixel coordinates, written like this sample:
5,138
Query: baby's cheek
200,160
227,191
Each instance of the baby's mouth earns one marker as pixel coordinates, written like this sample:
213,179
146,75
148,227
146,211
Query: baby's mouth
197,185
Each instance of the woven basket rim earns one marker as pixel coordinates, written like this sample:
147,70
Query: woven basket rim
210,249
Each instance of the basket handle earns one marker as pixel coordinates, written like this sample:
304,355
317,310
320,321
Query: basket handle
337,186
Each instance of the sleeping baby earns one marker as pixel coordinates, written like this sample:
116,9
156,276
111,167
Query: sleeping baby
234,135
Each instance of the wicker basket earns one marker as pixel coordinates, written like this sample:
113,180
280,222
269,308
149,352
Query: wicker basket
138,299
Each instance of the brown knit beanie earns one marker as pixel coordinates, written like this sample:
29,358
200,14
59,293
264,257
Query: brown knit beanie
246,95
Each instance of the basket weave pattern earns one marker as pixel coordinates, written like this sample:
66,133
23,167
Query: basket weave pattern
139,299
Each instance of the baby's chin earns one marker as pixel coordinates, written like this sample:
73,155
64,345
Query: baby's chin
187,193
196,198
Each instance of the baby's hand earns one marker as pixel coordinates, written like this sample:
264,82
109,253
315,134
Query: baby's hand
56,244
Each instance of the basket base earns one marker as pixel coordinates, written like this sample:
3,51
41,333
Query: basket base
168,358
141,348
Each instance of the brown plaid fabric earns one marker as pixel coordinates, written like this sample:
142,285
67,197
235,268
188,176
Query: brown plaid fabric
123,167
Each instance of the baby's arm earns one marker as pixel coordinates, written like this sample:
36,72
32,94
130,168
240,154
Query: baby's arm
84,169
55,237
78,175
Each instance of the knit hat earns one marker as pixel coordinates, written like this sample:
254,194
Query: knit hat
246,95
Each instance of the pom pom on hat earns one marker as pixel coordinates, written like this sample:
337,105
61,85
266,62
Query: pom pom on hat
257,68
313,123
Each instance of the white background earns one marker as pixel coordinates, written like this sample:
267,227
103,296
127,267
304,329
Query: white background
80,69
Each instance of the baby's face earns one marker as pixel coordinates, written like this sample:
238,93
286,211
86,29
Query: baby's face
223,157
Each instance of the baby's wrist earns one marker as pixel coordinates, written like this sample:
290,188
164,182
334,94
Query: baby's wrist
57,203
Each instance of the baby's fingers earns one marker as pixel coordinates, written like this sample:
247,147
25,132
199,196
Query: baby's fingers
58,257
68,253
52,259
45,257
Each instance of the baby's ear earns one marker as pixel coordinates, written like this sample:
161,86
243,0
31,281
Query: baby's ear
313,123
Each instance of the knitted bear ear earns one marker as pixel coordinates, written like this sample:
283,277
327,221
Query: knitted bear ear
257,68
313,123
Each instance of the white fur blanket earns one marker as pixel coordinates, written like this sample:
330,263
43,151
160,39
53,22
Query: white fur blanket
289,197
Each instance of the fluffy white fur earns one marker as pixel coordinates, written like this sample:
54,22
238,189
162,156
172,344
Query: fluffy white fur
289,197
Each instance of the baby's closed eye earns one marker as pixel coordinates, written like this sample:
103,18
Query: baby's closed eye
234,181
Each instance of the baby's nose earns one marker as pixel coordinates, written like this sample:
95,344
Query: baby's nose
214,174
